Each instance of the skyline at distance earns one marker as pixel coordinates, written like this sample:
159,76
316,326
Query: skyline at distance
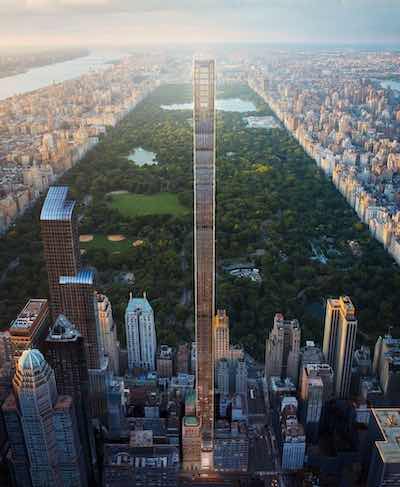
102,23
199,243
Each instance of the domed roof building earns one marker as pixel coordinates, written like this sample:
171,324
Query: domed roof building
32,375
49,426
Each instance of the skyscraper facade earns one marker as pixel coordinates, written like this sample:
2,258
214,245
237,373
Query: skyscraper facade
221,335
282,351
387,366
6,362
79,305
60,241
241,377
381,461
72,291
339,341
48,423
204,247
332,315
222,373
140,334
108,332
30,328
65,352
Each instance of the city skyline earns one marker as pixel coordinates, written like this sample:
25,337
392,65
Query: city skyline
123,23
199,253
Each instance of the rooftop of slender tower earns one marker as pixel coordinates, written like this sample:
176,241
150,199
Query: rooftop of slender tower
56,206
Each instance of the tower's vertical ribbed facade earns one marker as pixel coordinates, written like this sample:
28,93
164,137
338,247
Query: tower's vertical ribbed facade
204,246
48,424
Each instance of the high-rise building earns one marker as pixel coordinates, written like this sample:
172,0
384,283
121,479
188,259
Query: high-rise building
312,402
30,328
241,377
65,352
361,368
332,315
204,247
80,307
17,456
282,352
115,407
182,359
6,351
108,332
310,354
165,361
292,437
222,376
387,365
140,334
6,361
222,346
339,341
60,241
191,443
48,423
72,291
221,335
382,452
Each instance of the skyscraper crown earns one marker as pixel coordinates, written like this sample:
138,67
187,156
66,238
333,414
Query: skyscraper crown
31,360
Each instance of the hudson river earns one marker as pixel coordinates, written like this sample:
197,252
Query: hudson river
56,73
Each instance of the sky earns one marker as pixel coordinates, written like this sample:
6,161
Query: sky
140,22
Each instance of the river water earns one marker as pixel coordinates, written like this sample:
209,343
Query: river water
43,76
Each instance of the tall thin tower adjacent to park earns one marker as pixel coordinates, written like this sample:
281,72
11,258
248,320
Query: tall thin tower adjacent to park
204,248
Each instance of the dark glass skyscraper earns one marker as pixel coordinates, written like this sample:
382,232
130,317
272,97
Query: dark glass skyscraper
204,247
60,241
72,290
64,350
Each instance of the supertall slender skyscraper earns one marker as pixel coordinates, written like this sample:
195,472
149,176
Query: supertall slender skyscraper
204,247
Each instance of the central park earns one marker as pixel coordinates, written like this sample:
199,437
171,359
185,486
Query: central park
276,212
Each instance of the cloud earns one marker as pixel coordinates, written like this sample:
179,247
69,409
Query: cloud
130,21
12,7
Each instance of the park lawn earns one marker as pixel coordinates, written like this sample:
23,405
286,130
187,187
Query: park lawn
101,242
131,205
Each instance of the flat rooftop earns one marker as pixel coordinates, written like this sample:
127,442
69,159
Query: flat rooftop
389,424
33,309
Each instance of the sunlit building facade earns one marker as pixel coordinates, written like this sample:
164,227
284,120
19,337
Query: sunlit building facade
204,247
339,341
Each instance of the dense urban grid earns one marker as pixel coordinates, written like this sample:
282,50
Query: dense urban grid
44,133
338,109
78,408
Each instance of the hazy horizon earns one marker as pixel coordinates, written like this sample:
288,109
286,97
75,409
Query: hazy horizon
114,23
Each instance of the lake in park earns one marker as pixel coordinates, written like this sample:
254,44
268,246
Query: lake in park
142,157
223,104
